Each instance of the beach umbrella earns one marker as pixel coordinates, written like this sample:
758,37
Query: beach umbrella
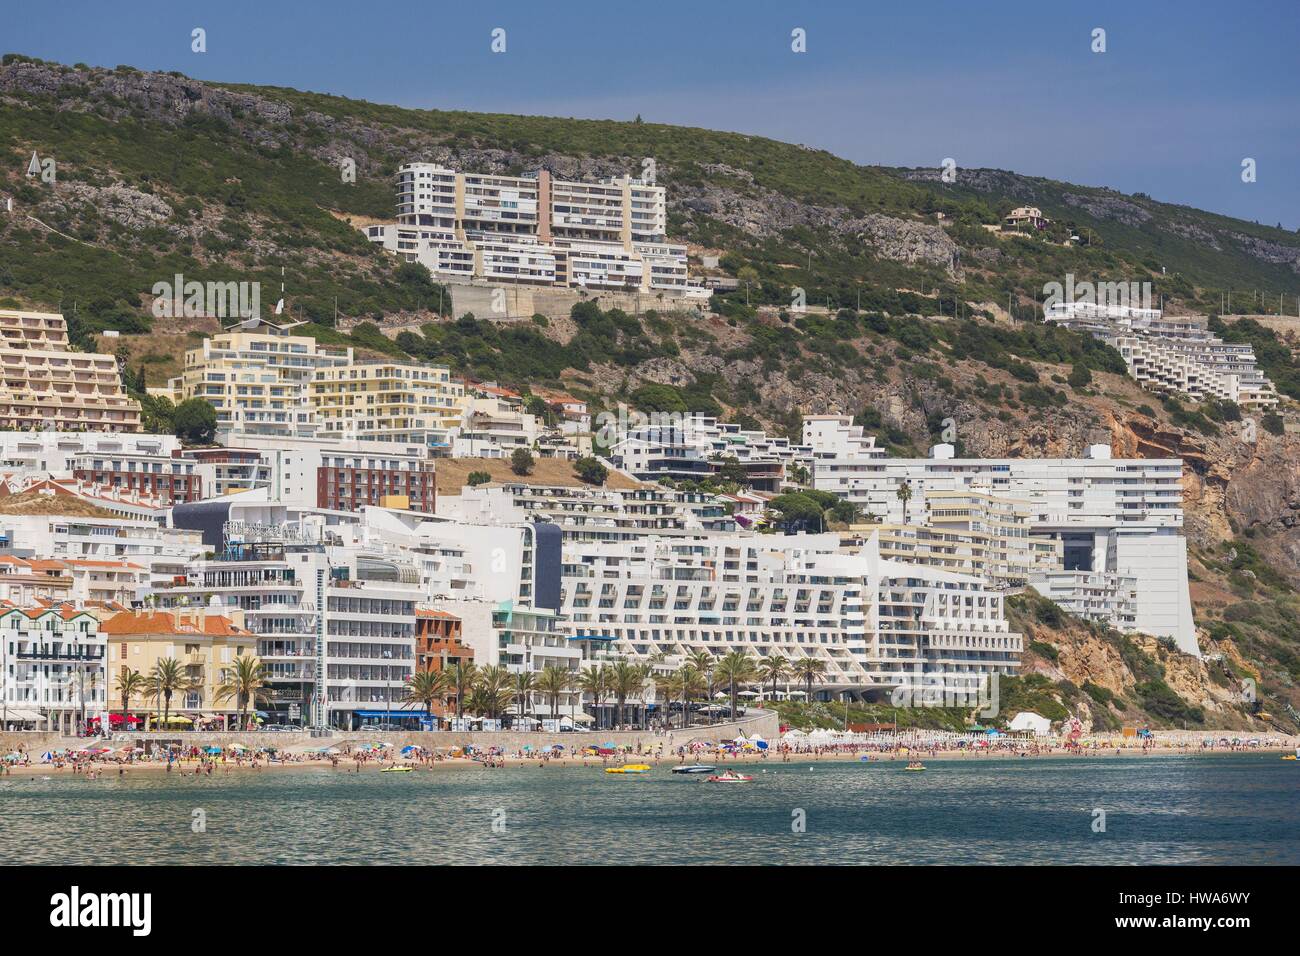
212,750
47,756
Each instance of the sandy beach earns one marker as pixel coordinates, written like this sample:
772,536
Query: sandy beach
370,762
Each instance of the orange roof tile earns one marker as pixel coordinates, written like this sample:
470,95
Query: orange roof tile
164,622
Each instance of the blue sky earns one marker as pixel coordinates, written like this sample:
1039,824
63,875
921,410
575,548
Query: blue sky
1182,94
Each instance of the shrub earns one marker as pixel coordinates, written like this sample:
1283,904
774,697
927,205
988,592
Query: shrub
591,471
521,461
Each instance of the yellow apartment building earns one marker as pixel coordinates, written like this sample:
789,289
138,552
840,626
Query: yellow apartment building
258,375
44,384
387,401
206,644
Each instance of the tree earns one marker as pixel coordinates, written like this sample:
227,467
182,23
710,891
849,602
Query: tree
683,684
246,683
463,678
730,469
704,664
195,421
524,685
554,681
477,478
806,669
1080,376
904,494
773,668
424,687
595,681
626,680
521,461
168,678
590,471
735,669
492,692
130,684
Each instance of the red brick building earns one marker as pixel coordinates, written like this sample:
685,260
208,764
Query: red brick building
172,480
348,487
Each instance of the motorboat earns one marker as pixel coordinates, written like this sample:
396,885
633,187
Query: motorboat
695,768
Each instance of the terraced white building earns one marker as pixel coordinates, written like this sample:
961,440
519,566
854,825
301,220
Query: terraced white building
876,624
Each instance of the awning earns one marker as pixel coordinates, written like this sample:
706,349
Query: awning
591,637
14,713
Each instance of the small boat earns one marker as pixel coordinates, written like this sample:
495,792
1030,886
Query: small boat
728,776
630,768
1290,757
396,770
915,765
695,768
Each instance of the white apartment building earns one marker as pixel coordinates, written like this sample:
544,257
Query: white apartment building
335,626
536,229
55,453
695,446
594,515
1172,353
492,428
876,624
162,553
1094,596
1109,515
52,671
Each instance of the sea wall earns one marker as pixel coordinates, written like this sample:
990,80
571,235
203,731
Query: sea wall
763,723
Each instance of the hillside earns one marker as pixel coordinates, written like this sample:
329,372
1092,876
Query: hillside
160,174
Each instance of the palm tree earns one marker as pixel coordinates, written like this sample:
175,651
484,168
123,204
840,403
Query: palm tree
595,681
524,685
246,682
806,668
463,680
167,678
683,683
773,669
704,662
130,684
626,680
904,494
495,684
734,669
554,681
425,687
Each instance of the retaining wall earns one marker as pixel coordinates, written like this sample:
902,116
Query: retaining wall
762,723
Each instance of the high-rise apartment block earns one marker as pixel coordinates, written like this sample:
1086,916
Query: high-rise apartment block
537,230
